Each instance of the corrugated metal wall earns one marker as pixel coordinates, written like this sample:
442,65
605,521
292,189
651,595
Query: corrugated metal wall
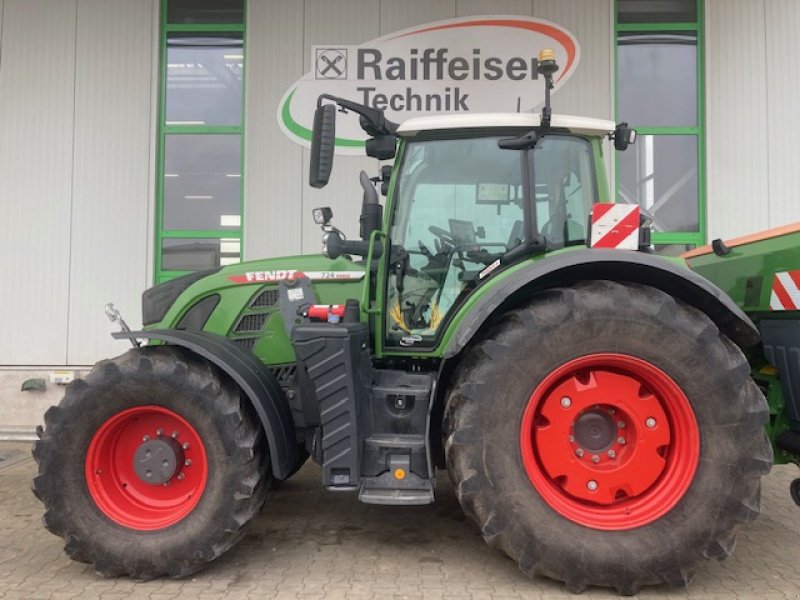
75,117
753,95
280,35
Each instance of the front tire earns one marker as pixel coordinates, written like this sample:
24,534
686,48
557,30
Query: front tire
152,465
607,434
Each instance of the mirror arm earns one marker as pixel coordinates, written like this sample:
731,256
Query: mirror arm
373,115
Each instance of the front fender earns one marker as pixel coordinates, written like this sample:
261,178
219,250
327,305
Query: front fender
616,265
254,379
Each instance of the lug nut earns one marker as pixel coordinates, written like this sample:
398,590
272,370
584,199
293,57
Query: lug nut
611,411
650,422
620,440
159,431
185,445
621,424
181,476
579,452
566,402
592,485
595,458
174,434
146,438
612,454
572,438
188,462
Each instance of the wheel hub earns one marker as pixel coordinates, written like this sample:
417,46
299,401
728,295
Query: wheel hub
595,431
158,460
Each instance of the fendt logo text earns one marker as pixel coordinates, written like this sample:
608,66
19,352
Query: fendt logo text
479,64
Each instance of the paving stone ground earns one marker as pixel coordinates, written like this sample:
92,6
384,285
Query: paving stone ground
311,544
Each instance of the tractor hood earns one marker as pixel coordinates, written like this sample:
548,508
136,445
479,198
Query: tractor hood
241,301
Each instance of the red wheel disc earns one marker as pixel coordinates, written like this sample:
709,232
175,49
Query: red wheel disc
120,489
610,441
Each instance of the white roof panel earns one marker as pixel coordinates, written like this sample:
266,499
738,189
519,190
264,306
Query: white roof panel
578,125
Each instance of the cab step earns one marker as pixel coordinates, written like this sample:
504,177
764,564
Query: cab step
397,486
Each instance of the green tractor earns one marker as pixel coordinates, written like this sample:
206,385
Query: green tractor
595,408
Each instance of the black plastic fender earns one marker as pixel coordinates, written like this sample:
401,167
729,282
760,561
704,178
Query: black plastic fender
614,265
254,379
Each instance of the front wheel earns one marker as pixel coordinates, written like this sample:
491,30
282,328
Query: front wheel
152,465
607,434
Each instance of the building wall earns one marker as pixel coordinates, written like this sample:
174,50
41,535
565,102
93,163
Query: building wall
753,94
76,112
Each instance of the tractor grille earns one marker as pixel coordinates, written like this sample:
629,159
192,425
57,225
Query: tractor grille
268,297
246,343
251,323
284,374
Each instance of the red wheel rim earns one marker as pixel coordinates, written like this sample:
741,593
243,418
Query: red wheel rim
610,441
118,486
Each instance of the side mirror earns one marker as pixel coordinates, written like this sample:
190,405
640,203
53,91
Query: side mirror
323,138
623,136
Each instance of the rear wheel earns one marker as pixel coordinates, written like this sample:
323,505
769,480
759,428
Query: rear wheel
607,435
152,465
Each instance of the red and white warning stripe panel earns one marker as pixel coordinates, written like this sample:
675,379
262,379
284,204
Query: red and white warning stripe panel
785,291
615,226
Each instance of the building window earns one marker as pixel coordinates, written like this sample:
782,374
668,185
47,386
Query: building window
660,93
200,140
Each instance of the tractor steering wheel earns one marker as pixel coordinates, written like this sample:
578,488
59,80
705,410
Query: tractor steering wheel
445,241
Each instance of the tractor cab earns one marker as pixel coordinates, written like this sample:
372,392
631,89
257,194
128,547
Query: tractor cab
468,196
470,199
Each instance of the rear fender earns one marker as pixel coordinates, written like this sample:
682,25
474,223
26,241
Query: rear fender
615,265
253,378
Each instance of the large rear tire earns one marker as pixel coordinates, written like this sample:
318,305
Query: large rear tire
152,465
607,434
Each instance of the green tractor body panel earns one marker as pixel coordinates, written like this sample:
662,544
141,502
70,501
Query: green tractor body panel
257,324
761,272
746,273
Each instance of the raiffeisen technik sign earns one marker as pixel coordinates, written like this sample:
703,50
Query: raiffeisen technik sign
478,64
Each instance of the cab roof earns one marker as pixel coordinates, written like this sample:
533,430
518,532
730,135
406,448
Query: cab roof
577,125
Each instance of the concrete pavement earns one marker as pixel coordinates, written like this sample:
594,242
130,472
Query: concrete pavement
311,544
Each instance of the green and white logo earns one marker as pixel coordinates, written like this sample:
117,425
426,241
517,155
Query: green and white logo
471,64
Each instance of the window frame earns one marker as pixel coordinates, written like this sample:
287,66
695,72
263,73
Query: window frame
695,238
160,274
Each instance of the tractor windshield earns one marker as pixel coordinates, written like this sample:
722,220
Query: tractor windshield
462,203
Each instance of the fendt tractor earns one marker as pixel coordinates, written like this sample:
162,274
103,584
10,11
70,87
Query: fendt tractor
601,412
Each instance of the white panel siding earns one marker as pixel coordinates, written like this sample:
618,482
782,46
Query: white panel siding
36,110
401,15
465,8
272,169
336,22
737,158
783,107
114,63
